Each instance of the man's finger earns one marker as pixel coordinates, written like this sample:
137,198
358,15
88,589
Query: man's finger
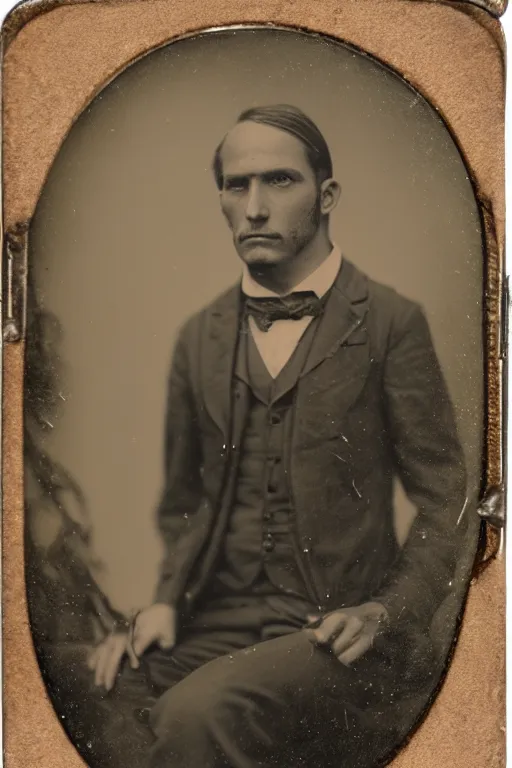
142,639
132,656
101,662
356,650
351,632
91,659
310,634
114,662
166,642
330,628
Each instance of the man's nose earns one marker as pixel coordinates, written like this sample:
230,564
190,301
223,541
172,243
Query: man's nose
256,209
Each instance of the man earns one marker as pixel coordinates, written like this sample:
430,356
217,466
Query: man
286,612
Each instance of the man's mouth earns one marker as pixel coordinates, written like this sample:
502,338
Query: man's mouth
258,236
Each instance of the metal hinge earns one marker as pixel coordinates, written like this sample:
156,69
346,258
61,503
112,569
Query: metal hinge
491,511
14,265
492,507
505,319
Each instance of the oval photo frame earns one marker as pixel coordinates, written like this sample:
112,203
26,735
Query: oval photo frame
106,204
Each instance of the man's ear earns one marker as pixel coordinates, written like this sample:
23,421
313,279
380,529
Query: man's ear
330,192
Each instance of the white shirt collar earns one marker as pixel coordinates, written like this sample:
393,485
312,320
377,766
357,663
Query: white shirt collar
319,281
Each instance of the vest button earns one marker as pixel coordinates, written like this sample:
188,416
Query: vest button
267,516
268,544
271,488
275,419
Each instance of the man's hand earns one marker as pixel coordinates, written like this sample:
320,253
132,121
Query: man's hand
349,632
156,624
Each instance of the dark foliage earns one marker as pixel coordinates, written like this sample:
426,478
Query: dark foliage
65,601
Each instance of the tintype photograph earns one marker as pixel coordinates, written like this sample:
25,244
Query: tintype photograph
254,407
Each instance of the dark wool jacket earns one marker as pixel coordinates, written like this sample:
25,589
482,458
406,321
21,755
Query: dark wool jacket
371,404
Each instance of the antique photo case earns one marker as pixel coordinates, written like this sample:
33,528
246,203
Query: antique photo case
253,363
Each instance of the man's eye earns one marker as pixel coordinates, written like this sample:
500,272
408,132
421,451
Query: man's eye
236,185
281,181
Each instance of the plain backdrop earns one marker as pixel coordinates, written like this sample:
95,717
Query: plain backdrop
128,240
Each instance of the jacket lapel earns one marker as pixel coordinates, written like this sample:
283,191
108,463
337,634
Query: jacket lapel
344,312
219,355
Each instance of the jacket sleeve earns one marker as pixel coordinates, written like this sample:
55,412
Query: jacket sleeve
431,466
182,490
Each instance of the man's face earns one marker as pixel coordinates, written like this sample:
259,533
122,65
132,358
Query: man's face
270,195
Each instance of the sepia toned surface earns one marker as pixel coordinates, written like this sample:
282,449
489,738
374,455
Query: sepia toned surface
493,190
131,197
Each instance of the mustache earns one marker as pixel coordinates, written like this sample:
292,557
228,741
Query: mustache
248,235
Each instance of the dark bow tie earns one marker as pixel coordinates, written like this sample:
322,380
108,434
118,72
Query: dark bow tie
266,311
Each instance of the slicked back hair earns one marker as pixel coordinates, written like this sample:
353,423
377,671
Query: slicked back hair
294,121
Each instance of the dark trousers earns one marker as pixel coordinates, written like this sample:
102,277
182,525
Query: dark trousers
243,688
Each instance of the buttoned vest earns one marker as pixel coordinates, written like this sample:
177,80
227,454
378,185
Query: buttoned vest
259,552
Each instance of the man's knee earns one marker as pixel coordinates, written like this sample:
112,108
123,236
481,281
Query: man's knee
198,703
